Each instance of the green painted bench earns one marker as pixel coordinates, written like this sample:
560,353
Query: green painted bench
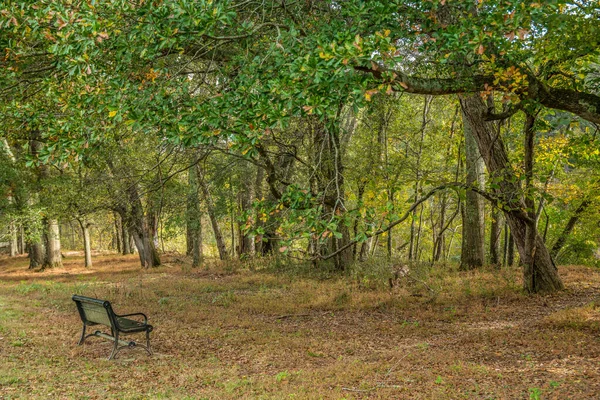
99,312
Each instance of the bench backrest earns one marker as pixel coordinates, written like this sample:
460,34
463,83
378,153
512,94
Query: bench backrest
94,311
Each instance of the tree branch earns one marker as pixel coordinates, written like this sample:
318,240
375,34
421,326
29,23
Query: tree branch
584,105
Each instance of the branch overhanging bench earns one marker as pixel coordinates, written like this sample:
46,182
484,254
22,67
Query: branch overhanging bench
99,312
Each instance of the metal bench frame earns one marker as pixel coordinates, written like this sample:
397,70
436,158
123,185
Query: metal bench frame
99,312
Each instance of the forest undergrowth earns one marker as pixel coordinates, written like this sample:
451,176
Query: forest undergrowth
233,330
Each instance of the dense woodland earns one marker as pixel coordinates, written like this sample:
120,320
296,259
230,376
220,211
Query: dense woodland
335,135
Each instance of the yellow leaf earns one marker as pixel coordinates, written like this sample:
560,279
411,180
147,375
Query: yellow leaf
112,113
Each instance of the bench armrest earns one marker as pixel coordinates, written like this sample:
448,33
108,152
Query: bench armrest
131,315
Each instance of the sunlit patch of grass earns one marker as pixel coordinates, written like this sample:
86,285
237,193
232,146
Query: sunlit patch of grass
576,318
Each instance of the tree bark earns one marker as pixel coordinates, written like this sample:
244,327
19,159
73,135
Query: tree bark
36,254
197,252
491,147
511,249
52,238
473,227
14,239
118,233
127,248
258,190
22,245
87,244
495,236
193,220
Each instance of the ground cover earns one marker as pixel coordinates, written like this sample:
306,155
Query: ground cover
228,332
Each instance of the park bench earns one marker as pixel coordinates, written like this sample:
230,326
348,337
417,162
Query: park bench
99,312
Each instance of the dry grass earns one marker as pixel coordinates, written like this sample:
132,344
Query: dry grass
228,333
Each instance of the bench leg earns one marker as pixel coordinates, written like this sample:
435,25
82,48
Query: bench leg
148,343
82,335
116,346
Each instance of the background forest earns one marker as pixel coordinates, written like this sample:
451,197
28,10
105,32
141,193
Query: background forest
367,137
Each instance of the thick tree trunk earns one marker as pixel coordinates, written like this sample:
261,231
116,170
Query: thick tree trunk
52,238
473,227
564,235
36,254
223,255
491,147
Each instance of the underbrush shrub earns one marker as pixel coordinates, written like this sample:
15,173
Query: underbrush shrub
579,251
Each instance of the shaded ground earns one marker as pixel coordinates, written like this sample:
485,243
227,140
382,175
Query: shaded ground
226,333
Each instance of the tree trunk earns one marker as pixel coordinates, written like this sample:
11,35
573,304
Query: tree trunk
22,247
337,200
36,254
258,190
14,239
193,220
139,245
87,245
223,255
491,147
142,230
127,248
564,235
197,253
495,236
119,239
359,199
245,197
511,249
473,227
52,238
364,250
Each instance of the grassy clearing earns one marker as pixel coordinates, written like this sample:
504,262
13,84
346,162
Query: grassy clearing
226,332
